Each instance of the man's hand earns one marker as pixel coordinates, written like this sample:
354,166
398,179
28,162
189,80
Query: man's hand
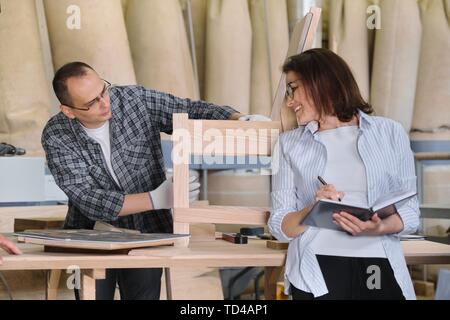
8,246
254,117
162,197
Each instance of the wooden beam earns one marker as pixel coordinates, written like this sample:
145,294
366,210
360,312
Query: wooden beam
52,284
271,276
180,157
223,215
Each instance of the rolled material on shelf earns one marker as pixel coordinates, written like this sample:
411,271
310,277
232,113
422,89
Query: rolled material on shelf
92,31
228,54
160,48
433,85
396,60
199,23
124,7
24,90
349,38
270,45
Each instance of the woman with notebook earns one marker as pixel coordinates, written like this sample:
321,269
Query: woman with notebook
360,158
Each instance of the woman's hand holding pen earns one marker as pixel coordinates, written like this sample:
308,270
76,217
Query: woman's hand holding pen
328,192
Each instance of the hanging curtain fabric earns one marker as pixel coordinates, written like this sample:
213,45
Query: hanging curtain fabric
24,89
396,60
124,7
160,48
270,45
432,108
199,24
228,54
349,38
91,31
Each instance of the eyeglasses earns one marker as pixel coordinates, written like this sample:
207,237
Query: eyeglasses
290,89
96,100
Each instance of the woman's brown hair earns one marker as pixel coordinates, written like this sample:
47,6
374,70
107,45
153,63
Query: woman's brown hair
329,82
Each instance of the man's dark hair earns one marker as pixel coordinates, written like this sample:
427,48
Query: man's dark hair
329,82
69,70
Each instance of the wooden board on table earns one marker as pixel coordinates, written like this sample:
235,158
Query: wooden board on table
37,223
97,240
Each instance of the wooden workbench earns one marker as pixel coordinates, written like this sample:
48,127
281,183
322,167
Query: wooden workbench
216,253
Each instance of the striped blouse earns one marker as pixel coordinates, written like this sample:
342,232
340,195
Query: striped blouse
299,158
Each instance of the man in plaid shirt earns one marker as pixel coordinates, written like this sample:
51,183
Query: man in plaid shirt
104,151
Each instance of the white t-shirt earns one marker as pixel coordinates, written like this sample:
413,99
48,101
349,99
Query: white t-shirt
346,171
101,135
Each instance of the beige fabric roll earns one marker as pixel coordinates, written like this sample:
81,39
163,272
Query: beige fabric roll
228,54
270,45
124,7
432,107
24,89
101,41
199,23
160,47
349,37
396,60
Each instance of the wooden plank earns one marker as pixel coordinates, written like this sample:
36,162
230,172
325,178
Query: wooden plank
277,245
9,214
52,284
93,247
180,158
425,252
96,240
223,215
37,223
97,274
87,286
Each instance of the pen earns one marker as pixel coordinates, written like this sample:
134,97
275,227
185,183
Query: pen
324,183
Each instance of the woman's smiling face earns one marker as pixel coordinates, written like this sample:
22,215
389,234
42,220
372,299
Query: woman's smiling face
302,105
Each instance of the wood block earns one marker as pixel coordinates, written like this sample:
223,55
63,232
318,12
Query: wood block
277,245
280,292
424,288
37,224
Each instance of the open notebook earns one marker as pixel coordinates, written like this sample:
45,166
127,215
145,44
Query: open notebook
322,211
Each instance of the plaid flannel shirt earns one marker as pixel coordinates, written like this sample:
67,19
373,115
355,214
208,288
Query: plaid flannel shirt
78,166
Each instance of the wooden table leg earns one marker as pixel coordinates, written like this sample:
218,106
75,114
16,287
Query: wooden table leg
88,278
52,284
168,284
271,276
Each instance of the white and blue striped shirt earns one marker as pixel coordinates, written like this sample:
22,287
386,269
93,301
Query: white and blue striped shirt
385,150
